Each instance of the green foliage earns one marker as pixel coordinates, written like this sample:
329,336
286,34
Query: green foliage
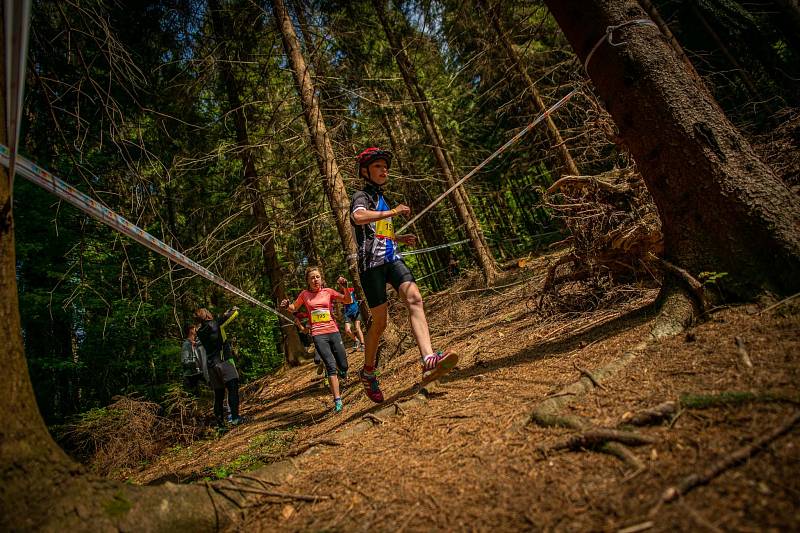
255,338
711,278
117,506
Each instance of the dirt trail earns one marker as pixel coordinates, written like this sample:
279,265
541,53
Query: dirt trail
459,460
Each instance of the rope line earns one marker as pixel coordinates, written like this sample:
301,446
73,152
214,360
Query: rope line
609,35
432,248
94,209
499,151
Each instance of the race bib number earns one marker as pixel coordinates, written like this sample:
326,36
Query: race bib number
320,315
384,229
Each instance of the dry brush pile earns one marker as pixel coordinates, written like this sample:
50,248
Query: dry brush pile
615,238
131,431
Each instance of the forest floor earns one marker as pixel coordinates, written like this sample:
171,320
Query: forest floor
464,456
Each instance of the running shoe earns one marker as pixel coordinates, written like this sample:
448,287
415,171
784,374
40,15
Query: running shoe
371,387
337,405
437,365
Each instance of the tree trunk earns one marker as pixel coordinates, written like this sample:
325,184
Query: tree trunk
292,346
673,42
459,197
538,104
329,169
722,209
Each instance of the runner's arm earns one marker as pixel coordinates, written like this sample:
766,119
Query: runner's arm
361,215
345,298
228,316
297,303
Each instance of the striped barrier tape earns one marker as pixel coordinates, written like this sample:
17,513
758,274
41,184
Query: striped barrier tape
73,196
432,248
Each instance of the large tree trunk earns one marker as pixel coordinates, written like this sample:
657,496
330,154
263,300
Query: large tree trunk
459,197
538,104
290,339
722,209
328,167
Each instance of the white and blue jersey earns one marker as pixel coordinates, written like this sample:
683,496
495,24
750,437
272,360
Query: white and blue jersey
376,240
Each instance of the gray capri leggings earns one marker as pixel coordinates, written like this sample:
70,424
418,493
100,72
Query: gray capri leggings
331,349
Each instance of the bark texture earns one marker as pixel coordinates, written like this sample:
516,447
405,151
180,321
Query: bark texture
722,209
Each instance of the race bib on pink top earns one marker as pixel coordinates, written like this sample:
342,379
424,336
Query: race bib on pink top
320,305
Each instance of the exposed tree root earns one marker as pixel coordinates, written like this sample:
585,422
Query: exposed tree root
676,312
669,410
691,282
588,375
299,450
732,398
654,415
596,437
718,467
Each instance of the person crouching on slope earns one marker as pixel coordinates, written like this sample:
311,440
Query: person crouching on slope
221,372
379,264
318,301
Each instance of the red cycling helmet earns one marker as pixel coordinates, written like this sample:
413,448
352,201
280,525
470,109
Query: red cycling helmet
372,154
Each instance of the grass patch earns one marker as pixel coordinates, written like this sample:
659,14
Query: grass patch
272,442
263,448
117,506
730,399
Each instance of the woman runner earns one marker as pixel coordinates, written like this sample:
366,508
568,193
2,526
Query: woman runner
379,264
318,301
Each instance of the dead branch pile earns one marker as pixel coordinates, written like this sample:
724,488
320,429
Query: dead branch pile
131,431
614,228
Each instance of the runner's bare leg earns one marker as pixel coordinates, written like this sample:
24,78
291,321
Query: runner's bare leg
410,294
374,334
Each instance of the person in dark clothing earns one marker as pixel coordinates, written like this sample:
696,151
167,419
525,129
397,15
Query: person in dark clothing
193,360
221,371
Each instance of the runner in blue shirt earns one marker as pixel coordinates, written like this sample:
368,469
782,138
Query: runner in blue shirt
379,264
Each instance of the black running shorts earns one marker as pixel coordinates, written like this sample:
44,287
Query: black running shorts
374,280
